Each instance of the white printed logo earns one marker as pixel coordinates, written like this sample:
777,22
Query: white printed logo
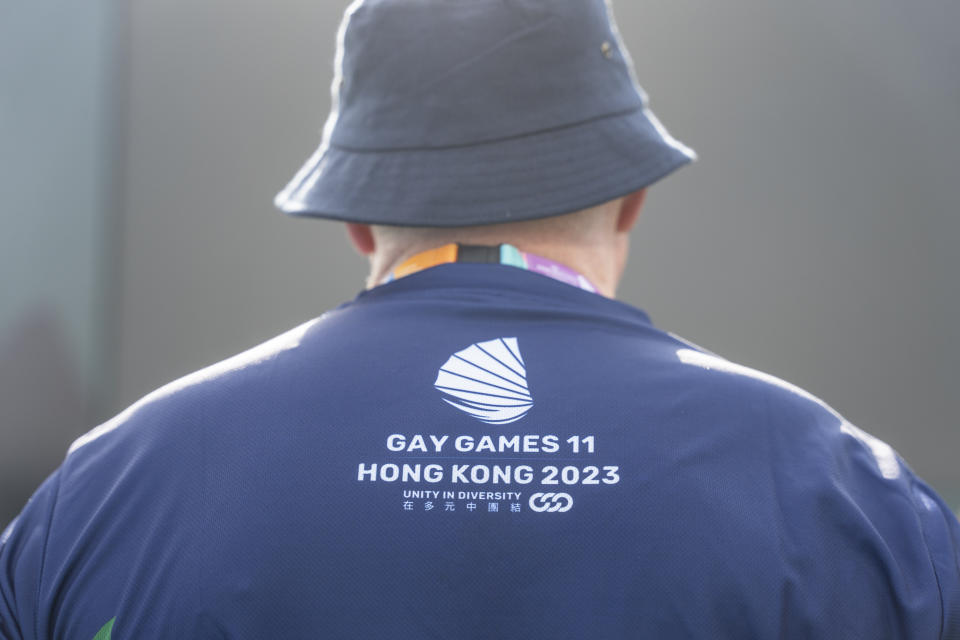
488,381
551,502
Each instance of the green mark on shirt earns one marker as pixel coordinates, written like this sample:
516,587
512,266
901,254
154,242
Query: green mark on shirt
104,634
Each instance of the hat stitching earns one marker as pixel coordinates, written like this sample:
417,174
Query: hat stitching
487,141
516,35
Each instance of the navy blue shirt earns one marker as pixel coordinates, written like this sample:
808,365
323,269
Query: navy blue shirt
476,452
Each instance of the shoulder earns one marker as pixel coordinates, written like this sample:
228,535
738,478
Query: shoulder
844,510
141,480
169,409
785,412
160,455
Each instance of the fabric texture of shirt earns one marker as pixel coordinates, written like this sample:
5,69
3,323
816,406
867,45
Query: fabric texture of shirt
478,452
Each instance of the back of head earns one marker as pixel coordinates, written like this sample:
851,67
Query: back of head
558,236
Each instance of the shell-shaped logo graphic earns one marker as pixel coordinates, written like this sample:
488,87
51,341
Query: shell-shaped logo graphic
488,381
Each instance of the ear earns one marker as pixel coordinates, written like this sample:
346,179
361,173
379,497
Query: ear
630,210
362,237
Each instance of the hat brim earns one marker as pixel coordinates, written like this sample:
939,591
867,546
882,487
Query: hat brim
522,178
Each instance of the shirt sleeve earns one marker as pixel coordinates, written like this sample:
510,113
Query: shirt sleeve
22,548
941,532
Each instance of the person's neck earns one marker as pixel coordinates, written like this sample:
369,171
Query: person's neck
599,267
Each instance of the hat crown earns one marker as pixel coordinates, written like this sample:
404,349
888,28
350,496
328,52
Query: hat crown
420,74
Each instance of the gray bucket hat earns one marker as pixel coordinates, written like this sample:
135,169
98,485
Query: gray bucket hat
470,112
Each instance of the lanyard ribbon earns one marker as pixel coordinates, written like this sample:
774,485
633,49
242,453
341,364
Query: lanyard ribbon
499,254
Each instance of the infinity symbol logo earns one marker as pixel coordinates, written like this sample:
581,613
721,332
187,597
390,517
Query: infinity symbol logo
551,502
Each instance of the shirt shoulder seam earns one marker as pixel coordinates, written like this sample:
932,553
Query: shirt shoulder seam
43,553
926,547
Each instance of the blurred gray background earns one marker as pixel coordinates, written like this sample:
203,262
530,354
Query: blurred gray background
141,145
